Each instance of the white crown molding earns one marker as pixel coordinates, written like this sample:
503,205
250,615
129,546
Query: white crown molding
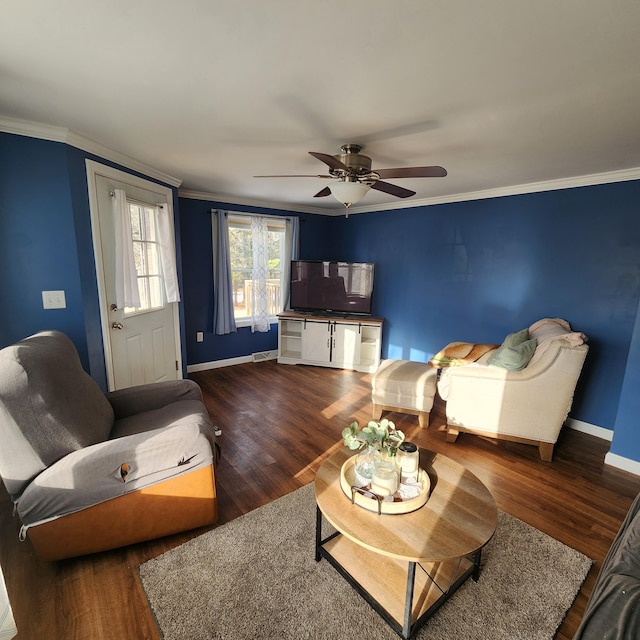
60,134
521,189
248,202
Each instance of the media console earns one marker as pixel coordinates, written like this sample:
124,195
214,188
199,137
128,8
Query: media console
342,342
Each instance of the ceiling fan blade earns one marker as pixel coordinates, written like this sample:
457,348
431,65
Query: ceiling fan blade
412,172
323,192
330,161
297,175
392,189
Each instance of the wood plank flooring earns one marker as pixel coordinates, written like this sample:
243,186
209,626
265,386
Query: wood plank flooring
279,423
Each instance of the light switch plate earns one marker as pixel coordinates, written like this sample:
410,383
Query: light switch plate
53,300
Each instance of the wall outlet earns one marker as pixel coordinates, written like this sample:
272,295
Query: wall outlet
199,336
53,300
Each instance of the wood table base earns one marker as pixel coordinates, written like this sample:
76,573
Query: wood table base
425,587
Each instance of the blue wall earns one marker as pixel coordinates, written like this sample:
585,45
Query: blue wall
626,438
46,244
477,270
197,264
38,244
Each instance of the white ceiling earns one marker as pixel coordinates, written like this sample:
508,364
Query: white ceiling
501,93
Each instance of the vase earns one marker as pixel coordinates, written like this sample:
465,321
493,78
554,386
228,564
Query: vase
364,464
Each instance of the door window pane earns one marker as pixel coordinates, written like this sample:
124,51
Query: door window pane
146,252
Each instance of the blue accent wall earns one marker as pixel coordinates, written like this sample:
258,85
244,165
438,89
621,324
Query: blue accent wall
38,244
197,264
46,244
475,271
626,437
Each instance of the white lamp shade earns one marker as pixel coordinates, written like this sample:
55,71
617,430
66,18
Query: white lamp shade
349,192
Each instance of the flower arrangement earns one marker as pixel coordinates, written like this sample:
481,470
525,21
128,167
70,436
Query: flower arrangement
382,436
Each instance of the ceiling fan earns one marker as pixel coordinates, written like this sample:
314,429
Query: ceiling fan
354,176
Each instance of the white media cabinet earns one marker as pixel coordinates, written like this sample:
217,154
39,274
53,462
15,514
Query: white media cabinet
352,342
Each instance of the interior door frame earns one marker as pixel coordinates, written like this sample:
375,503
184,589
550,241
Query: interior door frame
96,169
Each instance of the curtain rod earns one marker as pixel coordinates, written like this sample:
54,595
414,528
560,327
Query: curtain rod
248,215
140,202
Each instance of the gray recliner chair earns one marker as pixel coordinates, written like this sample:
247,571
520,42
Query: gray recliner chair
90,471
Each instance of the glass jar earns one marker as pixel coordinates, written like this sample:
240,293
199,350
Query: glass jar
385,478
407,461
364,463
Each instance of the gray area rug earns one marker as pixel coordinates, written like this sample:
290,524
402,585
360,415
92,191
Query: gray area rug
256,577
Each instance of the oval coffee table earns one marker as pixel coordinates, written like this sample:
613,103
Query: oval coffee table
407,565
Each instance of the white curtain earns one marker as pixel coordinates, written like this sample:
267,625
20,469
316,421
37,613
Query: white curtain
167,253
126,277
223,318
260,275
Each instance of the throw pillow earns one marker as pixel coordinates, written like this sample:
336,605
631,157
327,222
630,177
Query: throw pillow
514,339
515,352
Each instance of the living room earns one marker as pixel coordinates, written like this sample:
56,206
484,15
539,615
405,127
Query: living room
470,266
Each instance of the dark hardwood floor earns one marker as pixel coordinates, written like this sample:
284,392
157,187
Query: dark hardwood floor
279,423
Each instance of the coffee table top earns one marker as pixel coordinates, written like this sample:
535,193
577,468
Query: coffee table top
458,519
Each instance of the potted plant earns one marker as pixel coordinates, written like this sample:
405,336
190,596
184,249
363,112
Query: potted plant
378,440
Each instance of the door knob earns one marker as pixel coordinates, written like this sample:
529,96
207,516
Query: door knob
117,325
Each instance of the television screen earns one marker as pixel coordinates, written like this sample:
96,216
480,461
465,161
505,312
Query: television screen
337,287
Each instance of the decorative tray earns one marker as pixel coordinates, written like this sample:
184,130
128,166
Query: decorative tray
364,497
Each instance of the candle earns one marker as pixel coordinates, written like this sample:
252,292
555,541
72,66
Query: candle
384,480
408,461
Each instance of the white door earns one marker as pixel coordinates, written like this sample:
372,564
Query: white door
141,345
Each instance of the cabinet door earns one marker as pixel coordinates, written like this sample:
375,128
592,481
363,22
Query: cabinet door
316,342
346,346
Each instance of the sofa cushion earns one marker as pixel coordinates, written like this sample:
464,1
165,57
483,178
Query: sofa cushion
514,353
547,330
613,610
49,407
110,469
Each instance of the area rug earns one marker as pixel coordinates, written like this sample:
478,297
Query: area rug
256,578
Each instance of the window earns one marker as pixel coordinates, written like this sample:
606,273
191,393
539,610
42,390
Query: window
241,251
146,252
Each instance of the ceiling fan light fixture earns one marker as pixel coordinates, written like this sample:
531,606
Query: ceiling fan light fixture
349,193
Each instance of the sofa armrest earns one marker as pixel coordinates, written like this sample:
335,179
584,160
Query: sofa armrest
532,403
613,609
147,397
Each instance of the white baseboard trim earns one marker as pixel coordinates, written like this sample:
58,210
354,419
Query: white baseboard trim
229,362
612,459
217,364
591,429
626,464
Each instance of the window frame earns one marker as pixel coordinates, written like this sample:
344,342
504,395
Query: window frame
144,279
274,224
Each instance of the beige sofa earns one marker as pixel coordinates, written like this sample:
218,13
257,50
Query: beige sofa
527,405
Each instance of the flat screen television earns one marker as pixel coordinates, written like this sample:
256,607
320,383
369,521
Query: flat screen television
331,287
